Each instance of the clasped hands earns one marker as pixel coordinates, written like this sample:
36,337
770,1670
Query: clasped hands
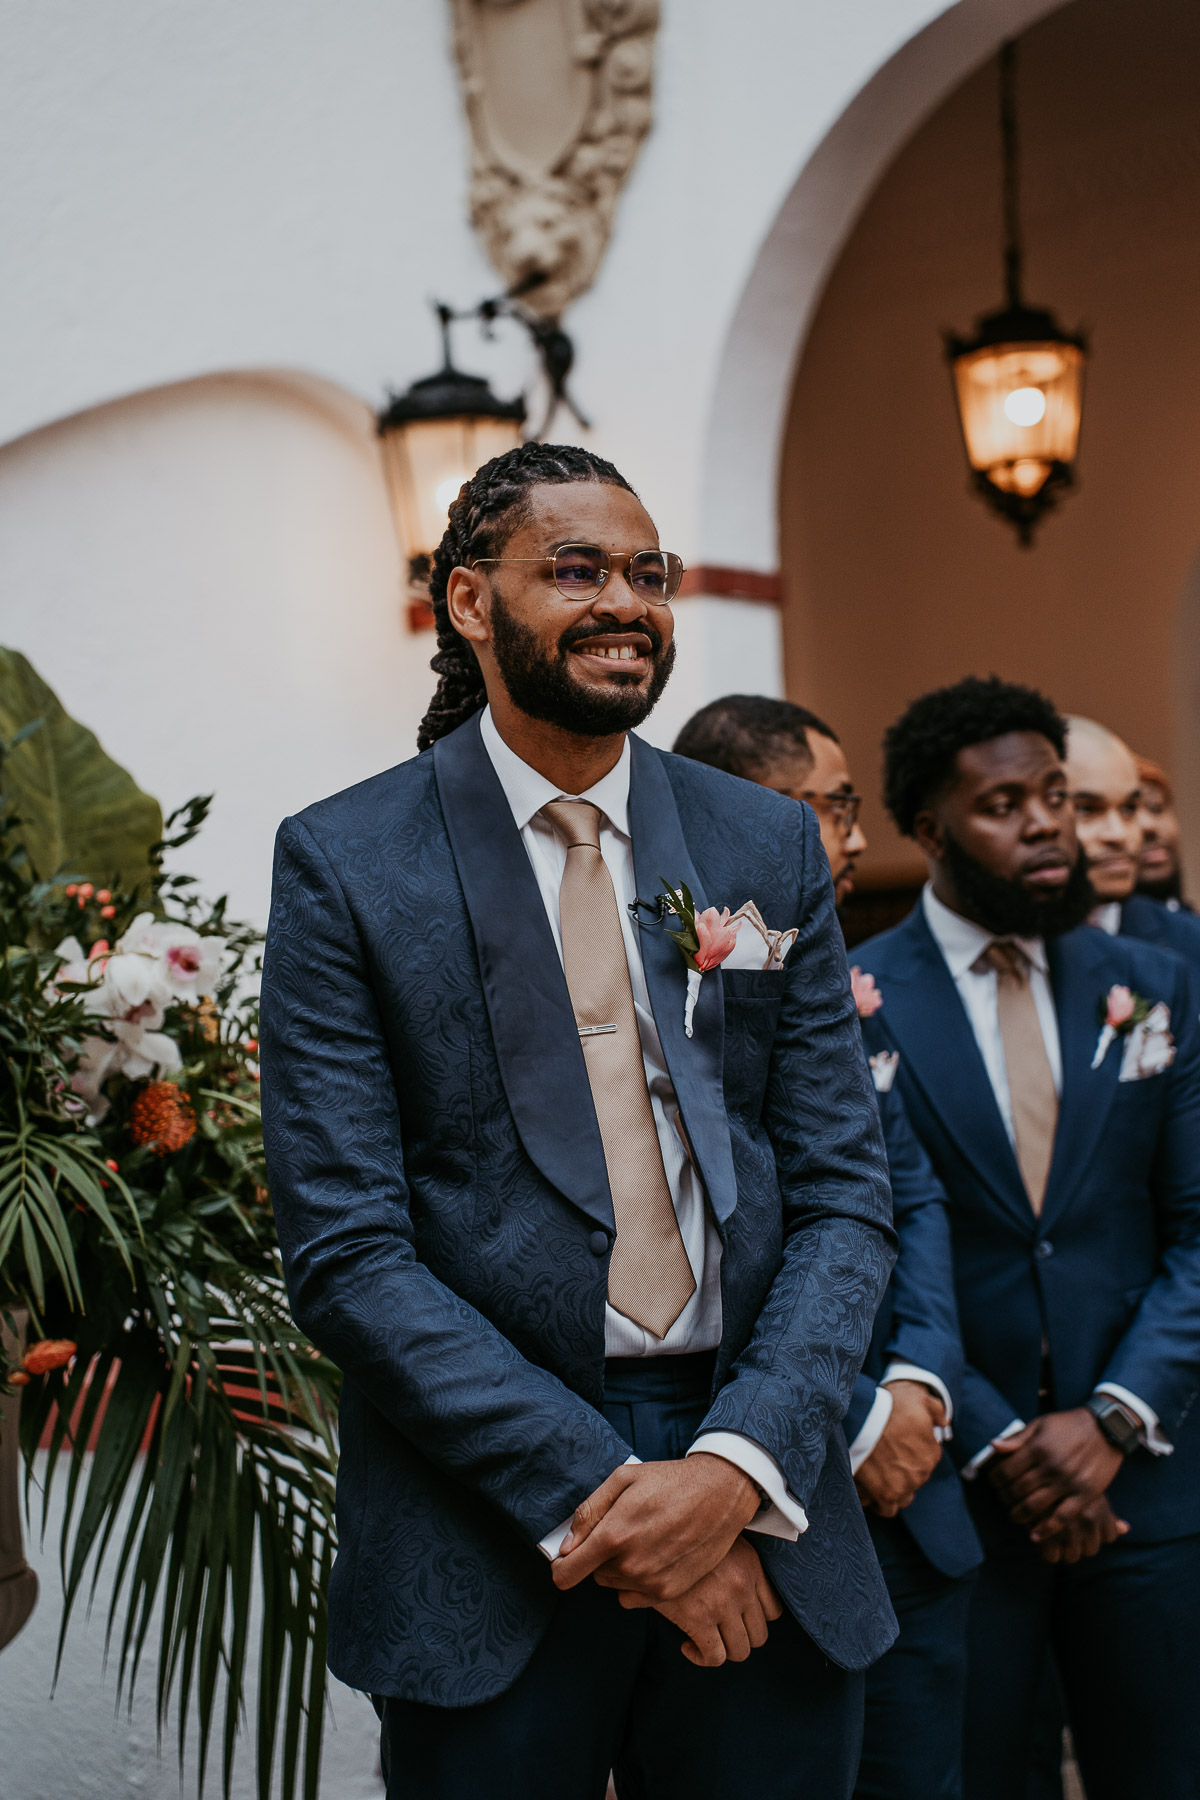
1053,1477
908,1450
668,1535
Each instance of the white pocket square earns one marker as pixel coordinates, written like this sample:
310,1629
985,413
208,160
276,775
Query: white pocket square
757,947
1150,1047
884,1064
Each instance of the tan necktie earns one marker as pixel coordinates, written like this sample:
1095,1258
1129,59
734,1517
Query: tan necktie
1030,1081
650,1279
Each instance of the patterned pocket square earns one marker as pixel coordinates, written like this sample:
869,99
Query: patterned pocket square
1150,1047
758,947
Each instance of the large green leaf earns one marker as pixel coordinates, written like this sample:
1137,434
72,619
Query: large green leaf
81,812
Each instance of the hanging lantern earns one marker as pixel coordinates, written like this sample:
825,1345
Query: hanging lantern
1018,381
433,438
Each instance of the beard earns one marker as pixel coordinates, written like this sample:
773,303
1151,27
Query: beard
546,688
1169,888
1007,908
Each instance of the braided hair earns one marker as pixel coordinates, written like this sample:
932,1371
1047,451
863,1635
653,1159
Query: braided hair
488,508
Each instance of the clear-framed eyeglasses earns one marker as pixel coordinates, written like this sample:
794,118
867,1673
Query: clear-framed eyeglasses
581,571
842,808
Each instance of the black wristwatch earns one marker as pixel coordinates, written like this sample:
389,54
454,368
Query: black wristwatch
1114,1421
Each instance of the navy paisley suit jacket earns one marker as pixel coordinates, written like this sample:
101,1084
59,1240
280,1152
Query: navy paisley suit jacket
444,1215
1109,1274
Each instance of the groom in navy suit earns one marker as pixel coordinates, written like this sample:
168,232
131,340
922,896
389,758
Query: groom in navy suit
1053,1075
595,1230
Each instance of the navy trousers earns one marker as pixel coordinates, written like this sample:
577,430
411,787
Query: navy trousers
912,1744
611,1690
1123,1628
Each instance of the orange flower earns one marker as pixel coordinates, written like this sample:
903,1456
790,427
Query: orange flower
162,1117
18,1378
51,1353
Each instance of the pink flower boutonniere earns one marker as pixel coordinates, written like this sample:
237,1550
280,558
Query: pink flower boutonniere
867,996
705,939
1120,1011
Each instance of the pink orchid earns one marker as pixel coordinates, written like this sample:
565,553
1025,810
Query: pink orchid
184,960
867,997
1120,1006
716,938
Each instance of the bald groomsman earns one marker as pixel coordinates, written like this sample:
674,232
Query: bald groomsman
1105,788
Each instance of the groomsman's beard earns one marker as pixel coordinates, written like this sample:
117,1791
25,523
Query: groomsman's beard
545,687
1007,908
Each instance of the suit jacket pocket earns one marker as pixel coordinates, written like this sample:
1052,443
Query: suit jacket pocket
753,984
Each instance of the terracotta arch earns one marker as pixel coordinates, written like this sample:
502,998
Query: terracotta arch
740,470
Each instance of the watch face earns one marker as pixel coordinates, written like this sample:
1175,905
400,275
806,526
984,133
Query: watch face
1118,1428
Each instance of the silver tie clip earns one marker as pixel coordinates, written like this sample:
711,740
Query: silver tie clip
595,1030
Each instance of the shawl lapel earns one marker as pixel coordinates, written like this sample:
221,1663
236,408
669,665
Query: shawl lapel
533,1025
696,1063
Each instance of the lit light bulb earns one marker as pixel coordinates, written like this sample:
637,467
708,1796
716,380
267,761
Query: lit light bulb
1025,406
446,492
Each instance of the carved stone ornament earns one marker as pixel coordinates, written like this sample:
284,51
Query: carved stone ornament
558,95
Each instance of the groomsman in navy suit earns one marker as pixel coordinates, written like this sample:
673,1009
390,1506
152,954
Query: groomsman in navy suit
903,1405
1052,1073
594,1220
1105,786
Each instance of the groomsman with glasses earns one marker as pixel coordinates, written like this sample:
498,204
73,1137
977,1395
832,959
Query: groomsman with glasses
1052,1074
904,1402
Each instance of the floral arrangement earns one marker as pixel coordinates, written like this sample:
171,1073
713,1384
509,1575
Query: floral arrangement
142,1297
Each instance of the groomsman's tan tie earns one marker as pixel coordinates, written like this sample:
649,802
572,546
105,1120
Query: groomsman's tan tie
650,1279
1030,1081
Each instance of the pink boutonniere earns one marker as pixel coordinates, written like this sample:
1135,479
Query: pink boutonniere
1120,1011
867,997
705,939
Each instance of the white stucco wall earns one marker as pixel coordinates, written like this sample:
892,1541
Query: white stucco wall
191,189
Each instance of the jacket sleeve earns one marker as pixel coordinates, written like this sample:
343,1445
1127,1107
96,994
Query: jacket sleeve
1158,1358
792,1384
923,1328
862,1399
432,1365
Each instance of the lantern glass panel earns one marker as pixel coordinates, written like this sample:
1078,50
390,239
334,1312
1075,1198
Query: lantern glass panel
1009,436
425,463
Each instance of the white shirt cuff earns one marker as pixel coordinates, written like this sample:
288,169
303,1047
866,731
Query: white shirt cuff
552,1543
971,1470
1156,1443
871,1429
902,1371
784,1517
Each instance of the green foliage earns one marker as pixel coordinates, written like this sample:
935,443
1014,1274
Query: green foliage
80,812
195,1427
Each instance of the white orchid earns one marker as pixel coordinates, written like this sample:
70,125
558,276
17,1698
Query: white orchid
157,964
190,965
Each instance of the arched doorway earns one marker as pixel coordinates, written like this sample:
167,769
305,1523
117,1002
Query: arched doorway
745,433
895,577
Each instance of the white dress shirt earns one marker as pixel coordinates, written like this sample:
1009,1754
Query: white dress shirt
698,1326
961,943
